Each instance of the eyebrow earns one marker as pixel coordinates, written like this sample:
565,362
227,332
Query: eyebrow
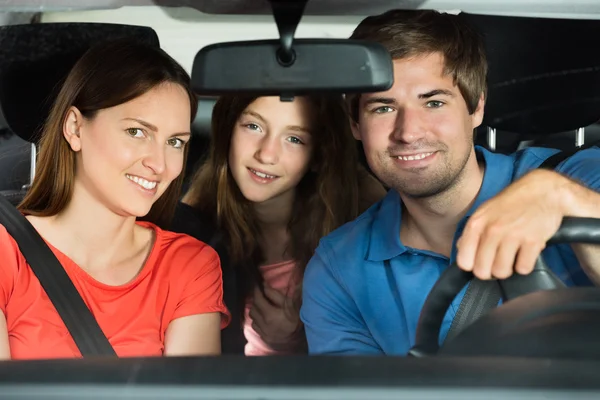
255,115
427,95
153,128
264,121
436,92
379,100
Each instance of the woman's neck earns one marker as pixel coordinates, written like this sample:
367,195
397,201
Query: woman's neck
91,234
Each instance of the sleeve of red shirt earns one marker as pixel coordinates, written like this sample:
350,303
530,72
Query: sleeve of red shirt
8,267
202,290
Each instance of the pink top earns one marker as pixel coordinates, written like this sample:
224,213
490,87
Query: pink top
278,277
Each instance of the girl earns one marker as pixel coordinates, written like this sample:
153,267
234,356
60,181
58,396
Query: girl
111,153
280,175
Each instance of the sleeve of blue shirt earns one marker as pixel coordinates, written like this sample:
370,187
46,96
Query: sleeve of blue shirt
331,319
584,167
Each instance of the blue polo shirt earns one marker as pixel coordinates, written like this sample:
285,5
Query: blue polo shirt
364,290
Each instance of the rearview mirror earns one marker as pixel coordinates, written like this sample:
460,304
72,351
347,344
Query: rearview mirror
315,65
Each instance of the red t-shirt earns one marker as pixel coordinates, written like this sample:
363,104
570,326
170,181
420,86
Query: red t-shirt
181,277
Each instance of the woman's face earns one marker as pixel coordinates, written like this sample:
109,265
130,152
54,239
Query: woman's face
128,155
271,148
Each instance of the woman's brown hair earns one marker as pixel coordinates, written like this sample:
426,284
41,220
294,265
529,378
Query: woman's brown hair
107,75
326,197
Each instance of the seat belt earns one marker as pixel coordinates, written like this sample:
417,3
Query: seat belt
483,296
61,291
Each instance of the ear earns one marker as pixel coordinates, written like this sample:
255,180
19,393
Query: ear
72,128
355,129
477,116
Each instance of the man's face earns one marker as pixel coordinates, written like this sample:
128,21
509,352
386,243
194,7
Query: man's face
418,136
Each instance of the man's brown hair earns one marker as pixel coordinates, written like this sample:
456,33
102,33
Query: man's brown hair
412,33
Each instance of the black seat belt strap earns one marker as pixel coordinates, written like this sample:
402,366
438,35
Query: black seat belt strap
61,291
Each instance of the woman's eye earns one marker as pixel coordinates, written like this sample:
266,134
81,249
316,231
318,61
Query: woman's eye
135,132
176,143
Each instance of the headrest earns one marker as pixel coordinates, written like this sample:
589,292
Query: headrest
36,58
544,74
202,122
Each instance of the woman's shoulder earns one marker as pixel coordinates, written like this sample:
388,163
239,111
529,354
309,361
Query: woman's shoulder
166,238
179,250
7,242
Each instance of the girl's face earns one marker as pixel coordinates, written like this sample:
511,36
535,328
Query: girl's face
271,148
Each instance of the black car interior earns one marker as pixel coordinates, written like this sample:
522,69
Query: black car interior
544,89
543,82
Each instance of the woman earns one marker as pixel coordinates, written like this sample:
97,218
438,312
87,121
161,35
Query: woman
111,154
280,176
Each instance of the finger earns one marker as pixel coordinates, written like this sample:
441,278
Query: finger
528,253
486,253
504,262
467,244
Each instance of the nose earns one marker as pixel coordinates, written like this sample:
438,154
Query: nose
155,159
268,150
408,127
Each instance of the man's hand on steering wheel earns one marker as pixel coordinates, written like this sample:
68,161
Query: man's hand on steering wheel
508,232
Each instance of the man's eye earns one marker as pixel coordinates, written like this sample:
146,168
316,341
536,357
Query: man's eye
434,104
383,110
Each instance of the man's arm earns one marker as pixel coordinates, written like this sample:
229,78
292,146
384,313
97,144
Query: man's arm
508,232
579,201
332,322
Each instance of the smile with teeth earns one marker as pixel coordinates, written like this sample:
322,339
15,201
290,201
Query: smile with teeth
262,174
148,185
415,157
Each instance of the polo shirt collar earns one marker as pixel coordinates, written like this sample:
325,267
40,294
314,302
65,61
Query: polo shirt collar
385,242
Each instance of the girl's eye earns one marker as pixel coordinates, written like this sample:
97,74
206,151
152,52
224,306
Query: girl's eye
252,127
295,140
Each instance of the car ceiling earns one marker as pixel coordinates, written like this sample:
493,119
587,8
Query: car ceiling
570,8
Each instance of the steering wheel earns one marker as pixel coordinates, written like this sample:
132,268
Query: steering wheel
539,316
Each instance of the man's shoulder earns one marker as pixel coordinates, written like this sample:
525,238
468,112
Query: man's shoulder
582,164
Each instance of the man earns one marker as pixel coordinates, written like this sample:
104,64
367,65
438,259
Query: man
449,201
